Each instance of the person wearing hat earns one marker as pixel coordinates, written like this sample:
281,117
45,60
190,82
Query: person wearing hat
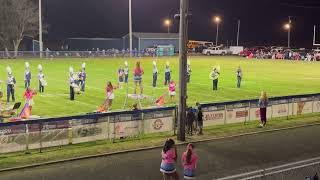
126,72
214,76
167,74
239,77
11,81
27,76
83,77
72,83
42,82
154,74
188,72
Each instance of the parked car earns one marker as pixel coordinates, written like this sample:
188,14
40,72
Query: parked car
214,51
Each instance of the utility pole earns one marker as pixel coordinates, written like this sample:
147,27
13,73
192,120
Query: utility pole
130,27
40,29
238,34
183,55
217,35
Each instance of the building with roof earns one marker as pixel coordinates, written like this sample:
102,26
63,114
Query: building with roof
146,40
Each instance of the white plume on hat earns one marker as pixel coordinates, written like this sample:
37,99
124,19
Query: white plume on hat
9,70
189,62
83,65
126,63
168,63
154,63
71,69
27,64
40,68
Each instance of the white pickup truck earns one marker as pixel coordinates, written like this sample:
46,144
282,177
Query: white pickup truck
214,51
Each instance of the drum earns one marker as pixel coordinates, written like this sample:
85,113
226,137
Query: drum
43,82
76,89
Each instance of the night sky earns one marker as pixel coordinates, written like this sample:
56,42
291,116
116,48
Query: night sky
261,20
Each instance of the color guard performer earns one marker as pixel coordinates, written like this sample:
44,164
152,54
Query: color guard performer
11,81
27,76
167,74
239,77
154,74
138,72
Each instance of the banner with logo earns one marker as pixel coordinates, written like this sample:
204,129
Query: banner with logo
158,125
89,132
302,107
316,104
280,110
124,129
12,138
237,115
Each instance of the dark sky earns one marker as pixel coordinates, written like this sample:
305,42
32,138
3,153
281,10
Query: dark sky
261,20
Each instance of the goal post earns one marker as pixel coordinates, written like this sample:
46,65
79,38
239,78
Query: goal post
315,36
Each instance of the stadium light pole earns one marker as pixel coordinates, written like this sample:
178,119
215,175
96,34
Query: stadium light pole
40,29
238,34
217,20
288,28
167,23
183,55
130,27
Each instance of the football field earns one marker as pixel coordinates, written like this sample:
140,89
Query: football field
277,77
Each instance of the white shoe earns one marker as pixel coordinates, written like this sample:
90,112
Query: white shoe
261,125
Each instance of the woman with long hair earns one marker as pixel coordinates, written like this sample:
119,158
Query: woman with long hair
169,158
109,96
138,72
263,105
189,162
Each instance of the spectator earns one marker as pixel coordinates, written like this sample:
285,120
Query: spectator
263,105
200,120
190,120
169,158
189,162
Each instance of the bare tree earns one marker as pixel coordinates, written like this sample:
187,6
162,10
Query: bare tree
18,18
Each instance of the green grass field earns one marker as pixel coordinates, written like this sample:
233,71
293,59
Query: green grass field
278,78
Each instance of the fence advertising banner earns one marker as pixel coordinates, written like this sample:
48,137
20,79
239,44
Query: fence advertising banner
280,108
12,138
302,106
158,121
214,115
55,133
316,104
86,130
125,125
238,112
255,111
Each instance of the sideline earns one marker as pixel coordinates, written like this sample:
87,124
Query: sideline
154,147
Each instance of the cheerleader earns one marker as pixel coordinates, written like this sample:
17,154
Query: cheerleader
41,79
167,74
189,161
172,90
109,96
138,72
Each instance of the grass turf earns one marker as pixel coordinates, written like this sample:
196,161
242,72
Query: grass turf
278,78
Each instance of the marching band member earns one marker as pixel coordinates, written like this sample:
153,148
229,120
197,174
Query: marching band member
167,74
120,76
138,72
83,77
214,75
126,72
188,71
41,79
239,77
155,74
72,83
11,81
27,76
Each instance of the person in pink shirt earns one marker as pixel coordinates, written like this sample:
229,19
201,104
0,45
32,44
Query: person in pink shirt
172,89
28,95
169,158
189,161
